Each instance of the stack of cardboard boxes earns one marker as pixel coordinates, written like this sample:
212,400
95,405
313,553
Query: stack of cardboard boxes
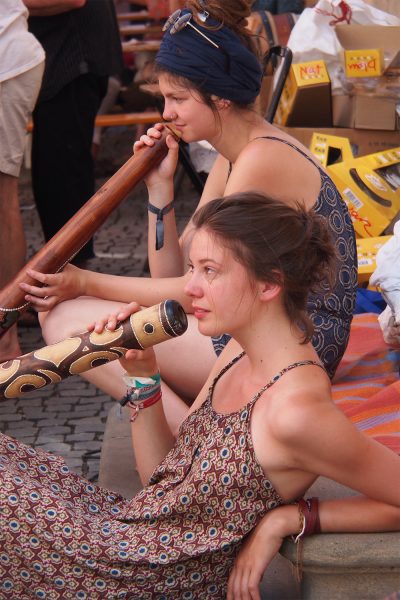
355,134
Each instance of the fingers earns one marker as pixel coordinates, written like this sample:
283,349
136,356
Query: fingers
49,283
108,322
128,310
243,583
153,133
111,321
133,354
172,142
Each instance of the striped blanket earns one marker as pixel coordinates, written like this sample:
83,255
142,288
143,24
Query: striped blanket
367,383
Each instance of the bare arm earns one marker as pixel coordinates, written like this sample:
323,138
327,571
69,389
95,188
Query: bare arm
320,439
314,437
170,260
48,8
356,514
74,282
152,438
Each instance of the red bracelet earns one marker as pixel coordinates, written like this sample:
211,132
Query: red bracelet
309,509
137,406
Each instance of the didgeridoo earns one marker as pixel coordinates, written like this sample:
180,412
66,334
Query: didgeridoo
87,350
67,242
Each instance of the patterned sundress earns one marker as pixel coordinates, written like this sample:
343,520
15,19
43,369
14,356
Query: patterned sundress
62,537
331,310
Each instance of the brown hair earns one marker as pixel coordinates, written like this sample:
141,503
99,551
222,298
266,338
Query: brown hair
276,243
233,14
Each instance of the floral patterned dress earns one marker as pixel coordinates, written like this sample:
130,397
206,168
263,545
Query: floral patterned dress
63,538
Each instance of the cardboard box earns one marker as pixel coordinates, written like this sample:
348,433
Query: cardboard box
369,105
365,112
330,149
306,96
367,249
362,141
370,186
356,37
390,6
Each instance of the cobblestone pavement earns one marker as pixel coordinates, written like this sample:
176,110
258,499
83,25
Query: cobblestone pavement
69,418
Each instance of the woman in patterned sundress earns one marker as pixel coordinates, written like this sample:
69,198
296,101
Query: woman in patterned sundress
219,500
210,78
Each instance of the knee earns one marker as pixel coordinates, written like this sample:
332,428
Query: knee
55,325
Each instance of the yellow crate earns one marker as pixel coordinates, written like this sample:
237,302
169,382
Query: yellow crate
370,185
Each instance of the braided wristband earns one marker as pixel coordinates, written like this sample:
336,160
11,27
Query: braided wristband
160,212
309,509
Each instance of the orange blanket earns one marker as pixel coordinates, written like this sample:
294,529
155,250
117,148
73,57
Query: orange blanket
367,383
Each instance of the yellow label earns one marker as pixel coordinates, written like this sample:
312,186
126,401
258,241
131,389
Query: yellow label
363,63
310,73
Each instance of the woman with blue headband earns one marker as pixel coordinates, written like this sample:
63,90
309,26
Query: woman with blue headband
210,79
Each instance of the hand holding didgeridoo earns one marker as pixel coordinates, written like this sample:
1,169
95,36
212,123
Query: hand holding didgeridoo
90,349
54,255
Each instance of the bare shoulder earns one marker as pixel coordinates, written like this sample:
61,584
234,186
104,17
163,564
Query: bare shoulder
277,169
299,405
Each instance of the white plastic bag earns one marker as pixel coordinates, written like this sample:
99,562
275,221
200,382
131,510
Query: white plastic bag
387,277
313,38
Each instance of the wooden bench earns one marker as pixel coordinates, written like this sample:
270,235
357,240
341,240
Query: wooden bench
119,119
140,29
134,17
139,46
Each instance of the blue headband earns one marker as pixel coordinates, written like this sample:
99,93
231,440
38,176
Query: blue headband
219,65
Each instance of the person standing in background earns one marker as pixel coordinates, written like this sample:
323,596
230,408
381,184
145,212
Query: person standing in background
83,49
21,71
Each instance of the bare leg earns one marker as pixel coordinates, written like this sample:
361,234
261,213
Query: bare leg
184,362
12,251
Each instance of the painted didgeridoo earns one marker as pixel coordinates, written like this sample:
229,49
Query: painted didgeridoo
87,350
67,242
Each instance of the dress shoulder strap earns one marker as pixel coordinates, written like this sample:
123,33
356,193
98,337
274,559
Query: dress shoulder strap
299,150
226,368
300,363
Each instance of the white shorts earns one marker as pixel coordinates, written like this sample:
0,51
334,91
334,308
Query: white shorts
17,100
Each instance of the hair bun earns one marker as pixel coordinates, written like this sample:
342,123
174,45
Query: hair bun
233,14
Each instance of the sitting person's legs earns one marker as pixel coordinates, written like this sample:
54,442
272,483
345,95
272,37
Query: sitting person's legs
18,96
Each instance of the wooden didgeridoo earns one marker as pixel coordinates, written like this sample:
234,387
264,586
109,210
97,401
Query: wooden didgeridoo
67,242
87,350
